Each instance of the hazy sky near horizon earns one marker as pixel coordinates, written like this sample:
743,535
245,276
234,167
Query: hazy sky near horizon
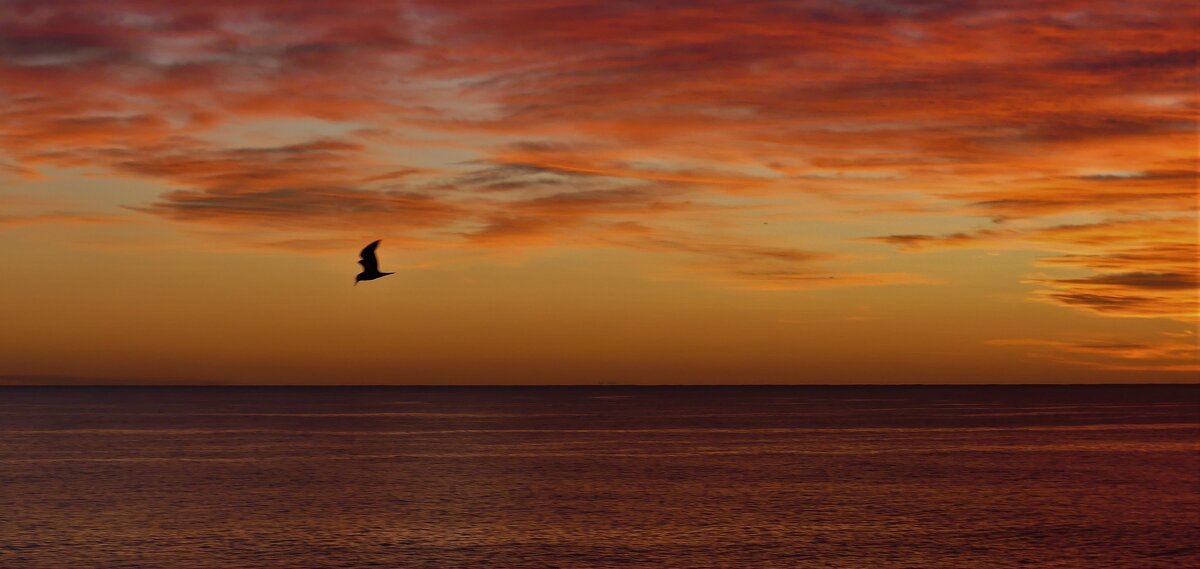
582,191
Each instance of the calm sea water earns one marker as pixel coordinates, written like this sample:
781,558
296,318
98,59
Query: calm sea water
757,477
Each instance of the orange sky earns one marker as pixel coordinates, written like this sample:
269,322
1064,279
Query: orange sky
582,191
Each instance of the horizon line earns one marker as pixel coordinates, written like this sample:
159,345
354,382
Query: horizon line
573,385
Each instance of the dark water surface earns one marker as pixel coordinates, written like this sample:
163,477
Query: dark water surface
600,477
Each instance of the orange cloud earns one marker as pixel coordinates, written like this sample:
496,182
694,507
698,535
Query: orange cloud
585,116
762,267
319,184
57,218
977,238
1143,267
1135,193
830,84
1133,294
1161,355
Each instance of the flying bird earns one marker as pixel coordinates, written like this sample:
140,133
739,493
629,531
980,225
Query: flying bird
369,264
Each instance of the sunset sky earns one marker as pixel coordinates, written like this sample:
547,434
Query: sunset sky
583,191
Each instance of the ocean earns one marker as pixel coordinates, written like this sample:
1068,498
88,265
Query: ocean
609,476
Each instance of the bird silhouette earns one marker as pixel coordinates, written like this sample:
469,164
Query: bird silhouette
369,264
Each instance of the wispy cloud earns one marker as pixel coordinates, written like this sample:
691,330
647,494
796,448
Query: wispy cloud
977,238
1166,354
583,120
67,218
1142,267
761,267
817,85
1139,294
318,184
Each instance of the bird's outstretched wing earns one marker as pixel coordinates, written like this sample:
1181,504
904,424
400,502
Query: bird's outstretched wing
369,262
